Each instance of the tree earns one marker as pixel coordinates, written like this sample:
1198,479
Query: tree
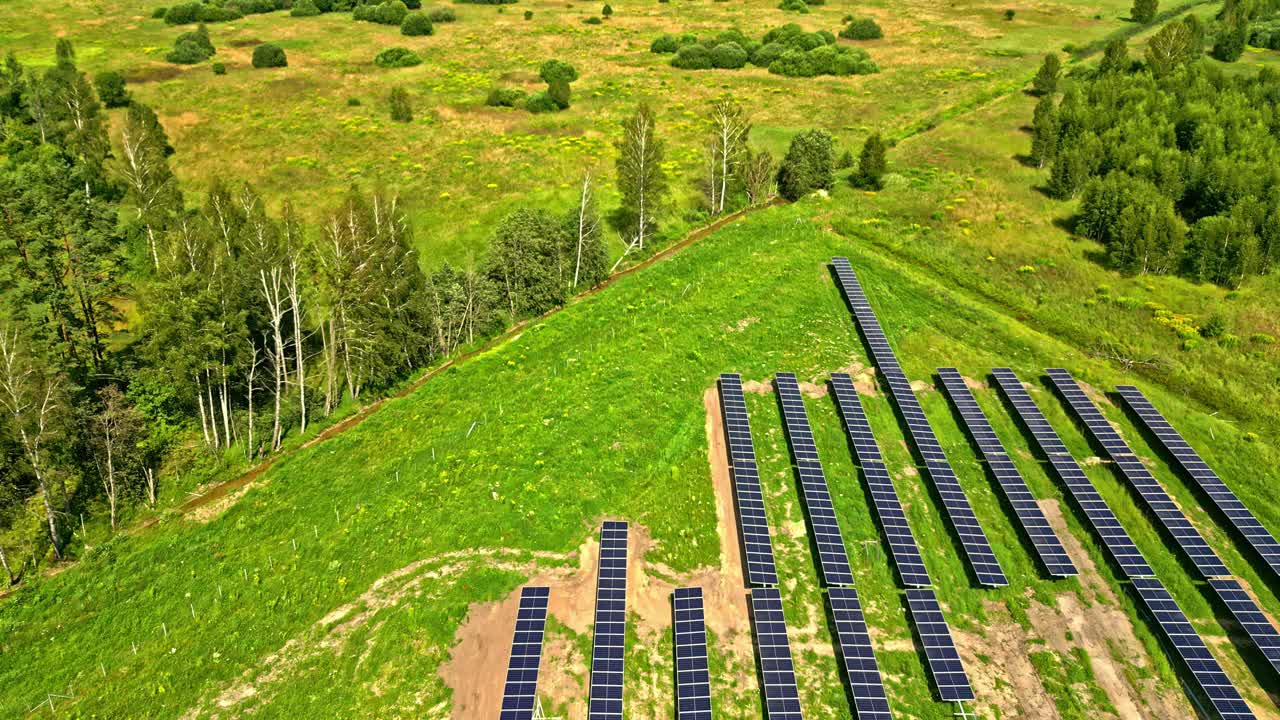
151,186
1169,48
115,439
641,180
268,55
808,165
111,89
1046,79
607,10
729,129
757,173
590,257
1115,58
1232,37
400,108
871,163
416,24
1144,11
557,75
525,263
1044,132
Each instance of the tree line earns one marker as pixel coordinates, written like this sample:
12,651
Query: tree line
143,334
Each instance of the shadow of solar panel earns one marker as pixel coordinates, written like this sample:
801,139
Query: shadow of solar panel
752,521
1194,467
1079,486
861,669
832,557
884,498
778,674
973,539
609,645
939,648
520,695
693,676
1187,537
1045,541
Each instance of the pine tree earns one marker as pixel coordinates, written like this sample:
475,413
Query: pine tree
1044,132
400,108
1115,58
871,163
1046,79
1144,11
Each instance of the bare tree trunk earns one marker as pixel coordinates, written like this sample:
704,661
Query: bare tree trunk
213,413
253,371
224,400
150,476
296,308
112,494
583,229
4,560
204,423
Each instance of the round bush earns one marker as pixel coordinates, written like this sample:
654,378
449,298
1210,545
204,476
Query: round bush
793,63
111,90
304,8
541,103
158,13
807,166
504,97
268,55
397,57
728,56
187,52
692,57
593,20
416,24
766,54
528,14
441,15
863,28
219,69
665,43
799,6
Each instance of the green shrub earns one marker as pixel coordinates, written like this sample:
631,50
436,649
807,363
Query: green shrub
1144,11
401,111
183,14
442,15
111,89
392,12
793,36
607,10
353,102
219,69
159,13
668,43
557,75
845,161
793,63
1008,14
692,57
593,20
863,28
528,14
504,97
1262,339
871,164
799,6
487,2
304,8
397,57
191,47
767,53
541,103
413,4
807,166
728,56
416,24
269,55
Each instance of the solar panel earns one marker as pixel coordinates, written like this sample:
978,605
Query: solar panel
752,520
861,669
520,696
1250,617
781,697
884,498
833,559
611,624
939,649
1097,512
1186,641
1152,493
1189,461
972,538
1046,542
693,676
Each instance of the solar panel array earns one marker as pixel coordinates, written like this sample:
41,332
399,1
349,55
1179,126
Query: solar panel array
520,695
1096,511
1251,619
693,677
1046,542
611,624
781,696
869,699
939,649
1204,667
902,543
752,521
1191,464
1151,492
972,538
833,559
1186,642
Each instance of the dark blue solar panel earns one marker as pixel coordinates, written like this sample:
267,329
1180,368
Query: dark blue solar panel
939,649
520,695
1152,493
832,557
1186,641
1251,619
861,669
972,538
884,498
1104,522
752,520
1046,542
1191,464
781,696
611,624
693,676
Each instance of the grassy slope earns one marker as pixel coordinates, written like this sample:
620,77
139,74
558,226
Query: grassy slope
597,410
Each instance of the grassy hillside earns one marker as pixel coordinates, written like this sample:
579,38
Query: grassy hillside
500,466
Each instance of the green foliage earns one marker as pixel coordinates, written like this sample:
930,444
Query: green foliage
304,8
269,55
188,51
391,12
728,56
799,6
1144,11
823,60
159,13
111,89
525,261
187,13
808,165
1232,37
1046,79
862,28
845,161
487,2
1116,57
558,74
1137,224
668,43
767,53
504,97
442,15
692,57
528,14
397,57
607,10
593,20
416,24
871,164
542,103
219,69
1265,34
1009,14
401,110
1044,132
1170,48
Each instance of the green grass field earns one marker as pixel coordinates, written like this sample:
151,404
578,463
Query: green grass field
361,577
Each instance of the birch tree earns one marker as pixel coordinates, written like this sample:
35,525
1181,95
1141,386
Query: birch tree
143,164
641,180
725,149
588,251
295,251
115,429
